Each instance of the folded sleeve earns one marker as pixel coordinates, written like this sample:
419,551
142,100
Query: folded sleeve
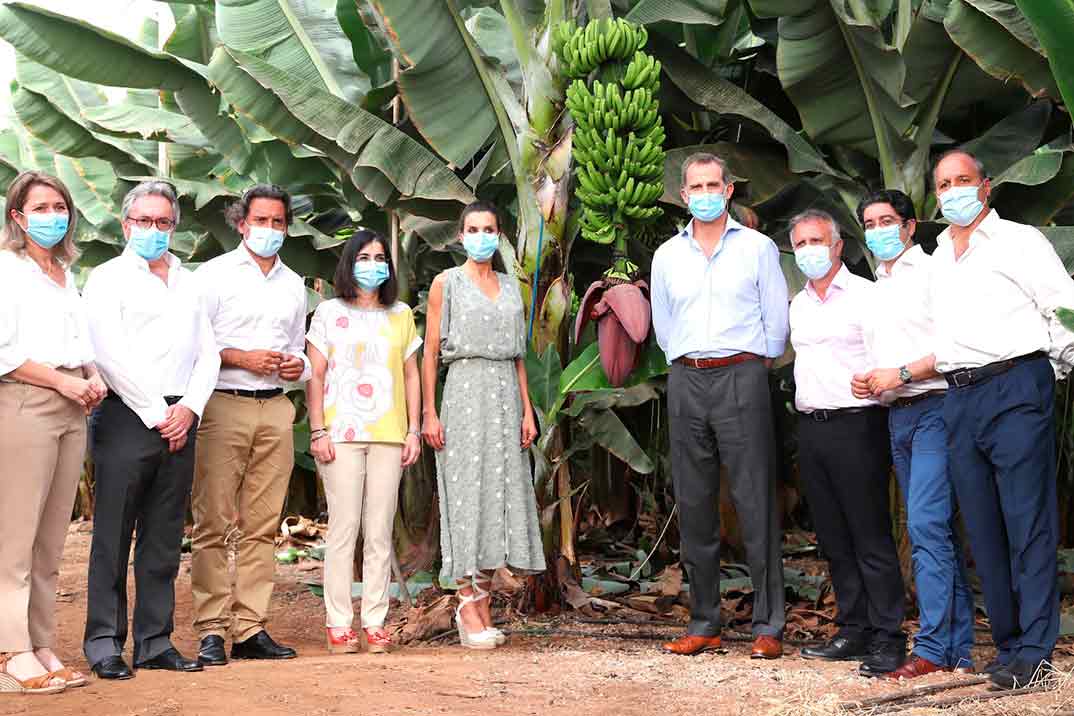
206,371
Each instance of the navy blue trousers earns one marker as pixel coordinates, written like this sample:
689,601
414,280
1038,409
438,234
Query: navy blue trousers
1002,454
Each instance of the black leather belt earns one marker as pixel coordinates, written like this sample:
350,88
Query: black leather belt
823,416
965,377
907,402
257,394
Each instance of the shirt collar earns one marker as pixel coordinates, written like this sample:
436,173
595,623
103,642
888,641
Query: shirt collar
842,277
242,255
730,226
909,258
987,229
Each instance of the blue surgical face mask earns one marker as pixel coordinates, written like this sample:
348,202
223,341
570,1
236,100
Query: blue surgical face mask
149,243
707,207
46,230
480,246
960,205
370,274
885,241
264,241
814,260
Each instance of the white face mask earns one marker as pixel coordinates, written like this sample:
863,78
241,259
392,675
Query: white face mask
264,241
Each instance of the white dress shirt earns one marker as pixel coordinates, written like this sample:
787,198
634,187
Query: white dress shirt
152,340
250,310
997,301
732,302
40,320
829,343
898,325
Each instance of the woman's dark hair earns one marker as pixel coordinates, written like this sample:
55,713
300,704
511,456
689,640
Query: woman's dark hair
484,207
898,201
239,210
346,286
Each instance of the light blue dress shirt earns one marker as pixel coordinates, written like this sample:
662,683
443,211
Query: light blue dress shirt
733,302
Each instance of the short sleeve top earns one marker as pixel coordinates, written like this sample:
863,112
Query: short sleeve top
40,320
364,391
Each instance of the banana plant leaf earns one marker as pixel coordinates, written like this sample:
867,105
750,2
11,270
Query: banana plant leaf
194,36
302,38
93,185
131,121
689,12
1052,22
368,46
443,86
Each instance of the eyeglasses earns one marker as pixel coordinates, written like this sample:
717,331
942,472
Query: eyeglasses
146,222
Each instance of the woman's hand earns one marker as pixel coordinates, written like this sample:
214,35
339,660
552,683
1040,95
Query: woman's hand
432,430
322,449
529,430
99,387
411,449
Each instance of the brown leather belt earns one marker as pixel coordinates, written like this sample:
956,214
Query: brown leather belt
718,362
907,402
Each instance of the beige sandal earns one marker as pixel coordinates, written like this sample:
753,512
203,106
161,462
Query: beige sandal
71,677
44,684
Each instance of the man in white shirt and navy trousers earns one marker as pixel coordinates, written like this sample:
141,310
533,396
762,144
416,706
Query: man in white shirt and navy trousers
245,453
719,302
844,452
156,351
995,288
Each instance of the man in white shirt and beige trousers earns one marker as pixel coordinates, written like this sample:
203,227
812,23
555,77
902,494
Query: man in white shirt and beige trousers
995,288
156,351
245,454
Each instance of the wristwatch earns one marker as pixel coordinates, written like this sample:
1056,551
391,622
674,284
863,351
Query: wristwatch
905,375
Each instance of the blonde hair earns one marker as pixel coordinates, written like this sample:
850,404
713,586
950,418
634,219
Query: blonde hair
13,237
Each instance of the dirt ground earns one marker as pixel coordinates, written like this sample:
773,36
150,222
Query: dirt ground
567,675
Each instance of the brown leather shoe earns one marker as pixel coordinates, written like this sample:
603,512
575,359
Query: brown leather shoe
692,645
766,647
916,666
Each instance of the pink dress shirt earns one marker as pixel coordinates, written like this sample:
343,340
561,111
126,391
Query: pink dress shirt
829,343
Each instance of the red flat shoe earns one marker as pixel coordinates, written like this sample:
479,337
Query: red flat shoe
342,641
377,640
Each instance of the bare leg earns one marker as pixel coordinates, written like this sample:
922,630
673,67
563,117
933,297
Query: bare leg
483,588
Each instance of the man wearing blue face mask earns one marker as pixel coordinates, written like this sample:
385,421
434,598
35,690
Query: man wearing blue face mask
156,351
719,303
245,453
1000,360
898,331
844,454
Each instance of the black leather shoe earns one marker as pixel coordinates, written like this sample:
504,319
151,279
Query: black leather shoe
840,648
884,657
1019,674
113,667
261,646
211,652
170,660
993,666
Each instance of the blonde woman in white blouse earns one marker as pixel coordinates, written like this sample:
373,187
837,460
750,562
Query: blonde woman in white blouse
48,384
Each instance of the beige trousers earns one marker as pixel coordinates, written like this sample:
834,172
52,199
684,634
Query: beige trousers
362,488
42,448
243,461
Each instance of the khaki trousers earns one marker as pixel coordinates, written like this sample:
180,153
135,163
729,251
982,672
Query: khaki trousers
362,488
42,448
243,462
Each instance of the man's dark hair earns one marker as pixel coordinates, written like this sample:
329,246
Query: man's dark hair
239,210
345,284
898,201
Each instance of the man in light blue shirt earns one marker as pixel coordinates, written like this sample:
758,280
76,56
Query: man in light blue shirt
719,303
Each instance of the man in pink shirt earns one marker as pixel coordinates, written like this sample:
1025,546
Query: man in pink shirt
844,452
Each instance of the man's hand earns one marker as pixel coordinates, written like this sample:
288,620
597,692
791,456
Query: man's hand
100,389
291,367
262,362
859,386
882,380
177,423
77,389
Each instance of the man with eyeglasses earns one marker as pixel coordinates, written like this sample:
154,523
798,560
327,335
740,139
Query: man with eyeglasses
995,288
155,350
245,452
898,330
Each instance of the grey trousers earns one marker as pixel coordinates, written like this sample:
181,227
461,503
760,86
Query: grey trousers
724,415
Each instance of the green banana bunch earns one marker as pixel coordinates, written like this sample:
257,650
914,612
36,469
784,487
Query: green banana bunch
618,133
